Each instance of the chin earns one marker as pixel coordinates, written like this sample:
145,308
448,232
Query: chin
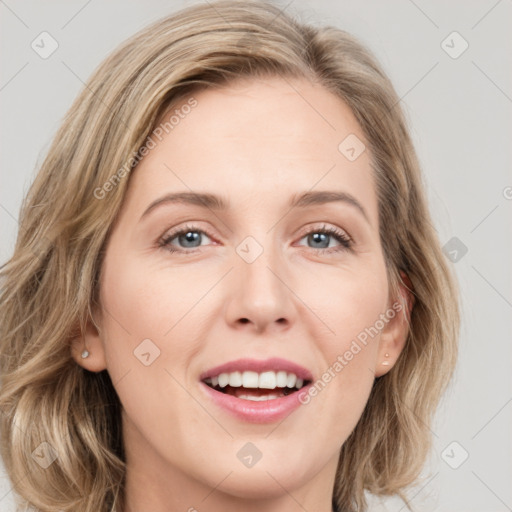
258,484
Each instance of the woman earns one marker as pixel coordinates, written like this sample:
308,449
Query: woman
173,338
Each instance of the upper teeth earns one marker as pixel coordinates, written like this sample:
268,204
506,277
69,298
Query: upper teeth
266,380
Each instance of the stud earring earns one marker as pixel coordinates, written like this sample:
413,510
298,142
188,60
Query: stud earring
386,363
85,354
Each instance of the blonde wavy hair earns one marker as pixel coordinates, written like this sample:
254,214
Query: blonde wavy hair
50,285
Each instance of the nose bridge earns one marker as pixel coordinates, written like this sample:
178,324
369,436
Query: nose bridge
260,259
261,294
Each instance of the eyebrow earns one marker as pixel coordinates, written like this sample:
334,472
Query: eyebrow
217,203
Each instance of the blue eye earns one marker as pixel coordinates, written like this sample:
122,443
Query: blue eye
190,237
320,236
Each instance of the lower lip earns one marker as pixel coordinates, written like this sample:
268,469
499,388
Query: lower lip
265,411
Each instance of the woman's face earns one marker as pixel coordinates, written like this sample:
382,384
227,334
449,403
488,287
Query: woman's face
255,281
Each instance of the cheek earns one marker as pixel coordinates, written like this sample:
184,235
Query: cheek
148,342
141,319
346,300
349,310
140,299
149,301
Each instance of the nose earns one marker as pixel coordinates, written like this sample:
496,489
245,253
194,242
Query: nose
261,296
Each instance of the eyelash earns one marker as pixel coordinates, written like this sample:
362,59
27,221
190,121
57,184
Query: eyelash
338,235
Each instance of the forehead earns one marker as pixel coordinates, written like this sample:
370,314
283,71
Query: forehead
256,141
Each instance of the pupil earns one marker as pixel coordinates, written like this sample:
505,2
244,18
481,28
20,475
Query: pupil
190,236
316,236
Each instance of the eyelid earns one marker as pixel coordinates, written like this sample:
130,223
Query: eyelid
170,234
342,236
324,226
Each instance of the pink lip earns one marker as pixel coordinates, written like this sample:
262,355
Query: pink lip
252,411
267,411
274,364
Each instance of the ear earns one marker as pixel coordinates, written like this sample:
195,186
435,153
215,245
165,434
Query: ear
395,332
89,340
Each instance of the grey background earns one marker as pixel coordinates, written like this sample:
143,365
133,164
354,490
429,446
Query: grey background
459,110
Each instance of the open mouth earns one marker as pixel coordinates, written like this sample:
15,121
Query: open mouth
256,386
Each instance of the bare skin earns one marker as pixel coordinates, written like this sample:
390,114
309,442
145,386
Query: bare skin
256,143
